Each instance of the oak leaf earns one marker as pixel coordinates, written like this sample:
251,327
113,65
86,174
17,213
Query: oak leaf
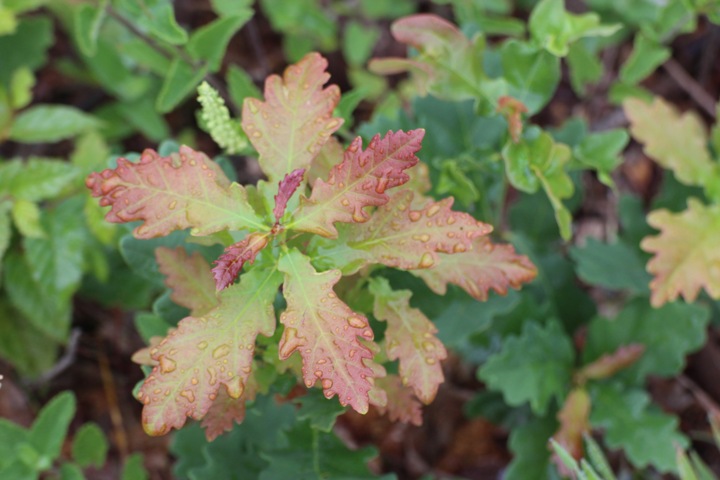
402,404
230,263
574,418
226,411
189,278
359,181
286,188
410,338
205,354
326,333
182,190
686,255
487,266
289,128
610,363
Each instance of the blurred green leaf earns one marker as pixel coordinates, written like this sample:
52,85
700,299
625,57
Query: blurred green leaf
599,263
35,180
88,20
26,216
26,48
585,67
50,123
208,43
71,471
534,367
30,350
241,85
133,469
646,56
49,429
155,16
90,447
531,456
21,85
358,42
532,73
646,434
180,82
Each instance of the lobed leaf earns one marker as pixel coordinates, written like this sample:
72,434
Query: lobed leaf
402,237
410,338
685,253
359,181
402,405
182,190
326,332
205,353
189,278
486,266
286,189
290,127
675,141
228,265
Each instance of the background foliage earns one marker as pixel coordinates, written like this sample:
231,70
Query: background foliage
583,131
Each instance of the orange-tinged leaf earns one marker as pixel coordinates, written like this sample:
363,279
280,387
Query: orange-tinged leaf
686,254
426,32
574,418
677,142
512,109
402,404
610,363
402,237
208,353
182,190
226,411
487,266
189,278
290,127
359,181
228,265
410,338
326,333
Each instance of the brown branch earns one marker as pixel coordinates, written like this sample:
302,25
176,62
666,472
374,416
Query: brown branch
691,87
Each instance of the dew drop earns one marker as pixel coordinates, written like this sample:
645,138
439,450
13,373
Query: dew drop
194,381
450,220
328,394
426,261
188,395
424,238
221,351
430,361
253,108
459,248
157,391
213,376
327,383
382,184
318,373
202,345
256,134
322,361
356,322
167,365
246,369
428,346
345,202
368,333
351,353
415,215
433,210
308,383
172,205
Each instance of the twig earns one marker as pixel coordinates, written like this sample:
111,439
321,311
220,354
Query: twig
64,362
693,88
111,396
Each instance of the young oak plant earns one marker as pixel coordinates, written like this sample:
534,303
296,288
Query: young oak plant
322,214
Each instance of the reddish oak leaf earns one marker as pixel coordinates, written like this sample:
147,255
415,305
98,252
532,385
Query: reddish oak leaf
610,363
325,331
286,188
426,32
402,404
402,237
478,270
189,278
295,120
574,418
686,254
512,109
182,190
226,411
228,265
359,181
205,354
410,338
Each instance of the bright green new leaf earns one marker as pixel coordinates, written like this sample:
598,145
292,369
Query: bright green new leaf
36,179
26,216
228,8
669,334
532,73
90,446
48,431
685,253
646,56
208,43
675,141
534,367
647,435
225,131
599,263
602,152
155,16
5,229
50,123
21,85
180,81
555,28
585,67
358,42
